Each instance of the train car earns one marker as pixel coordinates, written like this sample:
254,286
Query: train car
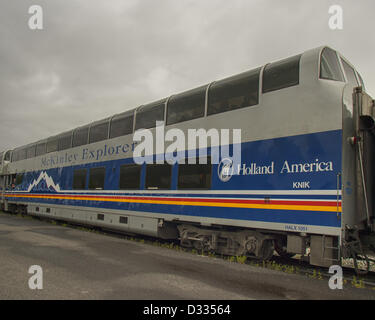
4,161
304,184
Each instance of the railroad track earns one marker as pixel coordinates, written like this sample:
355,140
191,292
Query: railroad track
349,273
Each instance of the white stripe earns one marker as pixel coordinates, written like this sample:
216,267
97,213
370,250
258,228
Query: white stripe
197,198
245,192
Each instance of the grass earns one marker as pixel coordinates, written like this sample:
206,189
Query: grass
241,259
358,283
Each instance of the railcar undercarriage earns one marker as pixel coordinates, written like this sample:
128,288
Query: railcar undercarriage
237,242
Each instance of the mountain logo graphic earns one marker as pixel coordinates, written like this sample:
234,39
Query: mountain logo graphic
44,177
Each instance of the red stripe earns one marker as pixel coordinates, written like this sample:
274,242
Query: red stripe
215,200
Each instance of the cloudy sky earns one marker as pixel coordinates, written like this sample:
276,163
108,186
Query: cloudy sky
95,58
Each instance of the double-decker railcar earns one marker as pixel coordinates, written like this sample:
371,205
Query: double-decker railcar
304,184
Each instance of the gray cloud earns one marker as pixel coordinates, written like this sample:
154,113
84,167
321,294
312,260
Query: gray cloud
97,58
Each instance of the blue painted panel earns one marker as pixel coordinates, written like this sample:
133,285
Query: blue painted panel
318,153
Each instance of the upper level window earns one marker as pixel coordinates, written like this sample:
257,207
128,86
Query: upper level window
281,74
7,156
329,66
65,141
52,145
99,132
234,92
40,149
147,115
31,152
350,74
14,156
186,106
19,179
23,154
121,124
80,136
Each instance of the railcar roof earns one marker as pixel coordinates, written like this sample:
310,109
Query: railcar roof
314,51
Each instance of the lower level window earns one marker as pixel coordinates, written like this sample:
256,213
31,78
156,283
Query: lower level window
19,179
96,179
194,176
158,176
123,220
79,179
130,176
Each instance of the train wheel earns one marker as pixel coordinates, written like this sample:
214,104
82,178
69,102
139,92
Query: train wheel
267,250
281,250
13,209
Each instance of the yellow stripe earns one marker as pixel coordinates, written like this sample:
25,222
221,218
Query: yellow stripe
195,203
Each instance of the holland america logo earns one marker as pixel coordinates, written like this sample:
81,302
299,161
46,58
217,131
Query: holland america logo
225,169
48,182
